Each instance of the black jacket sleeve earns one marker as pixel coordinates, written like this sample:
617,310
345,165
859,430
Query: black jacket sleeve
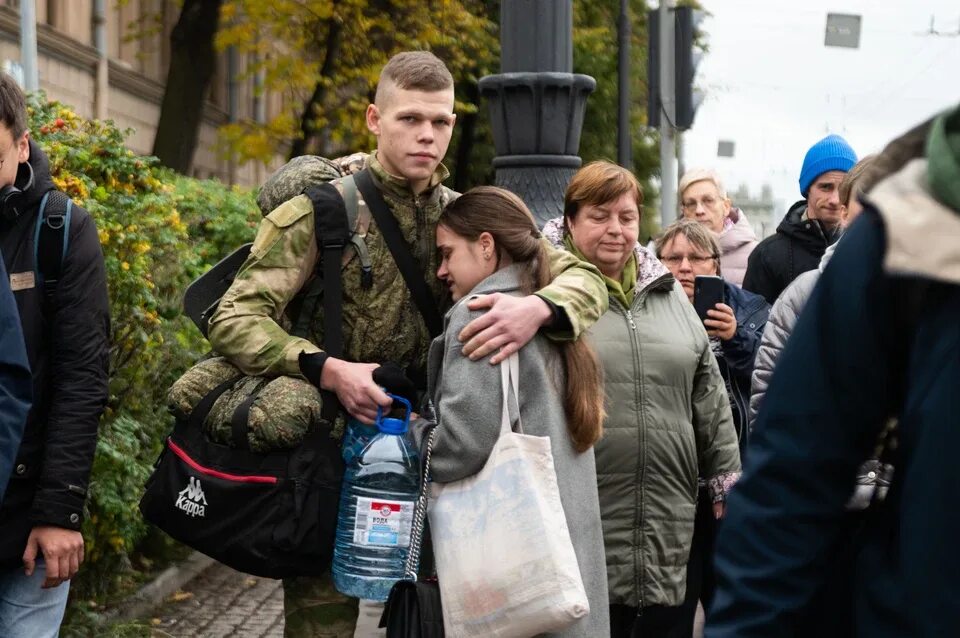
16,385
79,370
825,406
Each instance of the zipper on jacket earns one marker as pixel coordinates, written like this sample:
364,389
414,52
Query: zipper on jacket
639,301
638,493
642,456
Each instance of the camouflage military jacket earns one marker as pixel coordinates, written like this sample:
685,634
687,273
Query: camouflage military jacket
380,323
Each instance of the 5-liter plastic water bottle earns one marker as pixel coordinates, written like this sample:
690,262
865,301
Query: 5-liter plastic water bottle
356,436
379,491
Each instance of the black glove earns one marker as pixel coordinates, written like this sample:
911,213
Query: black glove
394,380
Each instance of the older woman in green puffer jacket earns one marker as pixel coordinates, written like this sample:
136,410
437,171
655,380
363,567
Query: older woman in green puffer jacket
669,419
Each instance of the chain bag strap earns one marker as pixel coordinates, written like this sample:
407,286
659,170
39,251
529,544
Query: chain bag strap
419,513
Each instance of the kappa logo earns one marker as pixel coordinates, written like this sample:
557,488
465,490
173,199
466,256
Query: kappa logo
191,499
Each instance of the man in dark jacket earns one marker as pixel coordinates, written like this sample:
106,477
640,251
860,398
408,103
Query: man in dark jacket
808,227
62,299
878,339
15,387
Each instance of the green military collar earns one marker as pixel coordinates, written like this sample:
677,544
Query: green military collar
399,187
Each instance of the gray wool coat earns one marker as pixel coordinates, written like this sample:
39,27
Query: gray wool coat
468,400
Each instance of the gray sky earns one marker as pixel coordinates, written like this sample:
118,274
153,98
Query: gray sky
775,89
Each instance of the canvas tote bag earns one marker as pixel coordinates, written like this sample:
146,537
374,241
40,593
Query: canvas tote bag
504,557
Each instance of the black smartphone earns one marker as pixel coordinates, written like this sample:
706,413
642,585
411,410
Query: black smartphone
707,293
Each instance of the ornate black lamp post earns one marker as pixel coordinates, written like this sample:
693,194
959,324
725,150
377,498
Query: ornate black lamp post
537,103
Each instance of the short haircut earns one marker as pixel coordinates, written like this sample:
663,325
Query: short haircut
597,183
696,233
859,179
695,175
13,106
413,71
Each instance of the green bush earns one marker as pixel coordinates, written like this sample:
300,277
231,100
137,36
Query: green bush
158,230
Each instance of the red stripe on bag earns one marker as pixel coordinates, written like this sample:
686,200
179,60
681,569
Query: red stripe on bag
217,474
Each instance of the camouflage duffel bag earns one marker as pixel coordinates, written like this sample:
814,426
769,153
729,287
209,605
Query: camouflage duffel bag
281,410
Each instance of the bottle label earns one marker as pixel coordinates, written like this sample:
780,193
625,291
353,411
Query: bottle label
383,523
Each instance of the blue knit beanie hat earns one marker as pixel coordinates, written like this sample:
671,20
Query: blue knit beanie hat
832,153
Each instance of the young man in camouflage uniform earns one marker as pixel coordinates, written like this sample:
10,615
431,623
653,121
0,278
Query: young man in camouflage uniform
413,119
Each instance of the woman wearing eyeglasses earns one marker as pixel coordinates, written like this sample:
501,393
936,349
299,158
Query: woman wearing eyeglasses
735,327
703,199
668,418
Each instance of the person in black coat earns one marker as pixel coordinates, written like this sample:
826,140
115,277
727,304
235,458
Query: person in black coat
878,339
16,390
808,227
65,320
687,249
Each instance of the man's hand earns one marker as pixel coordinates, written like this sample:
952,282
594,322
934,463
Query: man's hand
62,551
355,388
508,325
723,323
719,509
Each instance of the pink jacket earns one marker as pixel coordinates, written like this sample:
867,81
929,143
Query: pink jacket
737,241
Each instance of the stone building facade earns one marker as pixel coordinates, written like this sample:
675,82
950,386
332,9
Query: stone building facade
138,54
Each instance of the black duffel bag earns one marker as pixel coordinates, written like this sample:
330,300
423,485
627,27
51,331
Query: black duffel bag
270,514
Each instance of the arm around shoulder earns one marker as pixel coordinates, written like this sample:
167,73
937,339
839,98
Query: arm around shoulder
577,290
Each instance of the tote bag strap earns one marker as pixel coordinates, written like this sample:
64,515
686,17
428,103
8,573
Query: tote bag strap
509,373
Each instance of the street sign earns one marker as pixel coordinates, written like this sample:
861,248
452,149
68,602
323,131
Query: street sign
843,30
725,148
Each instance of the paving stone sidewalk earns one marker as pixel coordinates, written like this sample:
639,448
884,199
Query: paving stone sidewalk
222,603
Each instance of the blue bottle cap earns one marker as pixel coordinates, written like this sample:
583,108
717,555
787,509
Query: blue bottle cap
390,425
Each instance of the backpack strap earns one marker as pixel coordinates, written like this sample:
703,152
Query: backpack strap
408,265
51,239
332,232
358,220
357,225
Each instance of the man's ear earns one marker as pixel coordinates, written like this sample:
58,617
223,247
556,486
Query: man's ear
23,148
373,119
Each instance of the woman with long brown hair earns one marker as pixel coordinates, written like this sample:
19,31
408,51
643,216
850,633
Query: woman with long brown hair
489,243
